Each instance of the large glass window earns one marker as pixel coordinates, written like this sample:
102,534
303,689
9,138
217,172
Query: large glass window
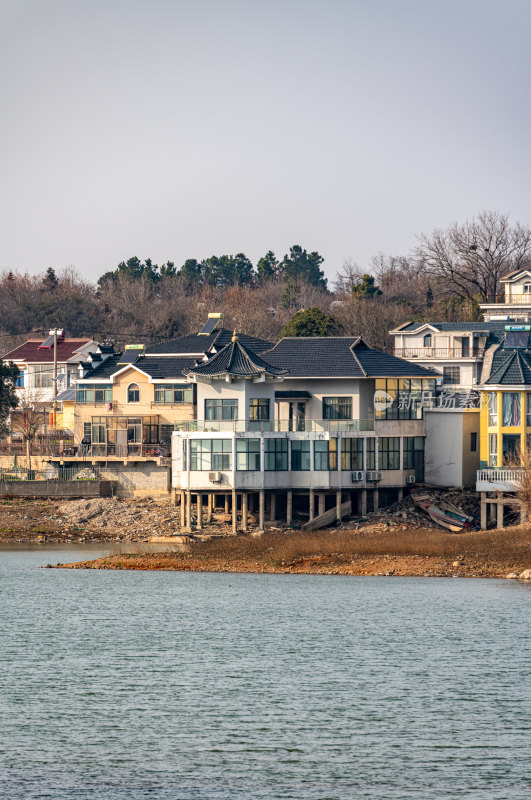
98,430
93,393
300,455
40,376
389,452
493,410
351,453
248,454
370,453
173,393
325,455
276,454
210,454
221,409
406,397
258,408
411,446
337,407
511,415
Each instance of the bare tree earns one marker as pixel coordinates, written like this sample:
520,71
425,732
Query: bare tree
28,420
470,259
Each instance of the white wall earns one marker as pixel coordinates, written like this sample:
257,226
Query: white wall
444,447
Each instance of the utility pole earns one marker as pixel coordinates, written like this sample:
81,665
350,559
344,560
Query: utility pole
54,378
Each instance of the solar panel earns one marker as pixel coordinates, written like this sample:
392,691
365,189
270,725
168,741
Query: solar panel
47,343
516,340
129,357
209,326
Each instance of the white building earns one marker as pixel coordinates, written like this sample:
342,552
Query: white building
304,427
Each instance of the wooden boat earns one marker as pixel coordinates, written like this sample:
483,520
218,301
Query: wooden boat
445,514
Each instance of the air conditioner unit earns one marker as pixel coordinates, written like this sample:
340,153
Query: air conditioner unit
372,475
410,479
214,477
357,476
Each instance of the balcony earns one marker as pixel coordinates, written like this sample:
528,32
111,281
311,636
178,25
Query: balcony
116,451
498,480
509,299
274,426
438,352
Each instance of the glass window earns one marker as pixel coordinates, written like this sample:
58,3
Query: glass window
451,375
40,376
351,453
337,407
300,455
87,431
93,393
210,454
258,408
411,446
473,442
133,393
389,452
493,449
493,410
173,393
98,430
407,397
19,381
427,340
248,454
370,453
221,409
276,454
511,409
325,455
528,410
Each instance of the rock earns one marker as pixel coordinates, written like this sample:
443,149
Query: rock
525,575
512,576
457,563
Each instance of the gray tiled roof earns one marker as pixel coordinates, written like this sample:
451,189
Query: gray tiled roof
236,359
510,368
340,357
162,368
203,344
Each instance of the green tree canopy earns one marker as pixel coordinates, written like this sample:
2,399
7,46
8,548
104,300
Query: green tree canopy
310,322
303,266
8,397
267,267
366,288
135,269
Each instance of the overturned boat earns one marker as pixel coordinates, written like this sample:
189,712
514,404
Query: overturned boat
443,513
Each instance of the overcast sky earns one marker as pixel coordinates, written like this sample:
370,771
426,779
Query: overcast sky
177,129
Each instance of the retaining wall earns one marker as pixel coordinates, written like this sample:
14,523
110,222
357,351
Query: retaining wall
56,489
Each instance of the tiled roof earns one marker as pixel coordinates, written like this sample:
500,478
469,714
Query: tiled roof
485,327
510,368
29,351
339,357
161,368
236,359
68,395
203,344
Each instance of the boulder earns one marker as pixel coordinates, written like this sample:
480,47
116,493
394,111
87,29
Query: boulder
525,575
512,576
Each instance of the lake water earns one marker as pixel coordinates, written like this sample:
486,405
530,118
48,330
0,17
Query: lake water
142,685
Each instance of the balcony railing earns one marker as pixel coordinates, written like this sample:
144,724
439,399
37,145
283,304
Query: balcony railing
498,479
438,352
112,451
274,426
509,299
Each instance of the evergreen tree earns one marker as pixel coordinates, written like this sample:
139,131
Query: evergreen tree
267,267
366,288
8,397
310,322
303,266
50,282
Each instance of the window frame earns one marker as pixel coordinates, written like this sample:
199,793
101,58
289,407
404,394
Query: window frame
171,392
454,369
336,403
92,390
325,455
214,404
208,455
247,457
135,390
276,452
388,457
352,453
257,405
301,455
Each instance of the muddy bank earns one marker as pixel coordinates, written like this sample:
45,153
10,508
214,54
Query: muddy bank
491,554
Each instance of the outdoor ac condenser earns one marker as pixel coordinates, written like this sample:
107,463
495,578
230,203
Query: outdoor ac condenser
214,477
410,479
372,475
357,476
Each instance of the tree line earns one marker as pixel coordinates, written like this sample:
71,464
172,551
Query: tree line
443,278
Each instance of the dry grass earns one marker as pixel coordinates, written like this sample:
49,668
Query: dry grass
507,545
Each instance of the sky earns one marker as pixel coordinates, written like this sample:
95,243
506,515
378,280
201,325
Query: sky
175,129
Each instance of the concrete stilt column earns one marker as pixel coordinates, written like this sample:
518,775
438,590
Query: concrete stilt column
183,509
322,503
188,512
499,520
250,501
483,516
199,524
363,509
289,507
491,508
226,504
210,507
244,511
338,506
376,499
400,494
234,512
261,507
523,513
272,506
312,504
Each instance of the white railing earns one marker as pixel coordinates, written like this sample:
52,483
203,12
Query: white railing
437,352
502,479
274,426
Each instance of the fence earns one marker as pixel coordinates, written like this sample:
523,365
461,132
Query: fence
52,473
